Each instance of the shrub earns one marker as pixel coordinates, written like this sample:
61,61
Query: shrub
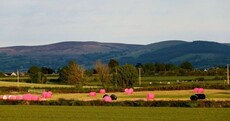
139,103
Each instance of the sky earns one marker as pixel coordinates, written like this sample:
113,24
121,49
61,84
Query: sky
40,22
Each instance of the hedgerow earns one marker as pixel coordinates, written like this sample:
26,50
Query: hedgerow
139,103
86,90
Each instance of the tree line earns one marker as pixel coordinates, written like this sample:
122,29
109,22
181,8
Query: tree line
112,73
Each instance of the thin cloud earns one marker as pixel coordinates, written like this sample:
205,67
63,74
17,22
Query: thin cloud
129,21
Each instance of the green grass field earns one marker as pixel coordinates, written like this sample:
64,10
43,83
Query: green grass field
109,113
155,80
160,80
174,78
14,78
23,84
74,113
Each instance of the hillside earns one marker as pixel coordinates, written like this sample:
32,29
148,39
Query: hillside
69,48
201,54
59,54
155,47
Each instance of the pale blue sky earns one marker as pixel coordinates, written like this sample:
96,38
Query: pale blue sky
39,22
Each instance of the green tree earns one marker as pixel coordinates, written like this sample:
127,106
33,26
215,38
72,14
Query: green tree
63,73
72,74
186,65
113,63
2,74
36,75
126,75
139,65
114,80
103,72
149,69
47,70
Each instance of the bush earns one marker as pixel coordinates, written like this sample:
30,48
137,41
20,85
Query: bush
200,79
87,90
140,103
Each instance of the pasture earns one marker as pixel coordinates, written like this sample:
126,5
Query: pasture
211,94
117,113
145,81
109,113
23,84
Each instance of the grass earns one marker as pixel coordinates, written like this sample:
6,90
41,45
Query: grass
73,113
159,80
146,81
23,84
211,94
175,78
159,95
49,76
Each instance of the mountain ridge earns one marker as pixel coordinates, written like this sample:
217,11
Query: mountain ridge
201,54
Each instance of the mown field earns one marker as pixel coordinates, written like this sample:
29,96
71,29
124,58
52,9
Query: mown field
117,113
211,94
74,113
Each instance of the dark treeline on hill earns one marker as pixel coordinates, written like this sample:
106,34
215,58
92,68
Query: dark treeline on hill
116,75
201,54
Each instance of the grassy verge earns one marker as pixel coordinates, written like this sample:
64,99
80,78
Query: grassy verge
69,113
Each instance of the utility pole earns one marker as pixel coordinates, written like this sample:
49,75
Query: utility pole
227,74
18,77
139,76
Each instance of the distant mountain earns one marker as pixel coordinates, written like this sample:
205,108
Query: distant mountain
69,48
59,54
227,44
201,54
155,47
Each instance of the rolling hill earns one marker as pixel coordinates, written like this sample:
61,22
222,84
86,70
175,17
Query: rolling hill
59,54
201,54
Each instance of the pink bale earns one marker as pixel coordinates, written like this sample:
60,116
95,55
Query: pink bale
1,97
195,90
200,90
35,98
92,94
5,97
150,96
102,91
107,99
49,94
8,97
27,97
129,91
44,94
19,97
12,97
